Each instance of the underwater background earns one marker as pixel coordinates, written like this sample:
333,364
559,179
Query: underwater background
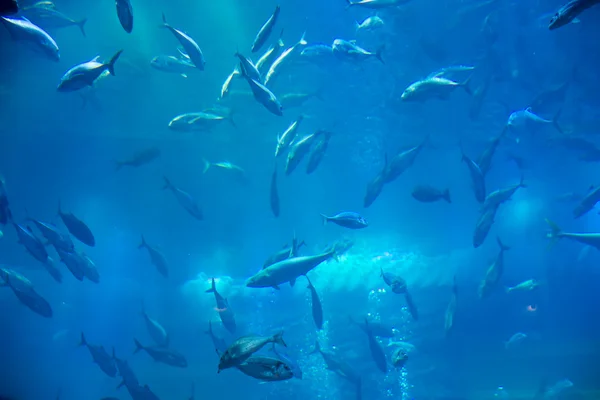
61,148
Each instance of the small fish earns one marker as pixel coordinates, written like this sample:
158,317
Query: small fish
218,342
244,347
433,87
525,286
429,194
485,159
158,259
191,47
293,100
155,330
349,220
225,166
266,369
402,161
287,252
494,273
125,14
369,24
227,316
522,118
378,329
375,187
26,294
163,355
477,177
515,340
247,68
349,51
228,82
299,149
451,309
268,58
84,75
100,357
172,64
74,262
496,198
21,29
276,66
185,200
265,31
483,226
317,152
51,18
203,121
264,96
77,228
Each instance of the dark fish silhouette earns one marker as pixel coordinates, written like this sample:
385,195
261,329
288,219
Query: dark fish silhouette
317,309
100,357
225,312
77,228
125,14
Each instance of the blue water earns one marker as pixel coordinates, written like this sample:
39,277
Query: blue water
57,148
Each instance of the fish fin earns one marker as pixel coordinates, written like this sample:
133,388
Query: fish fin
379,53
303,41
143,243
466,86
213,287
309,282
184,75
113,60
82,342
81,25
325,219
138,346
292,282
555,232
164,21
350,4
503,247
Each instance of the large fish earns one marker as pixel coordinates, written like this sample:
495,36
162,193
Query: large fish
172,64
158,259
225,312
49,17
21,29
485,159
376,351
477,177
155,330
591,239
263,95
84,75
483,226
163,355
125,14
190,46
494,199
265,31
139,158
54,237
185,200
287,270
349,51
433,87
276,66
218,342
266,369
25,293
287,137
317,309
568,12
402,161
317,152
587,203
244,347
494,273
100,357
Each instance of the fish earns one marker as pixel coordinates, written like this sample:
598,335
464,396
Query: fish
399,358
32,243
9,7
54,237
494,273
89,268
155,330
483,226
125,14
158,259
298,99
276,66
429,194
378,329
451,70
100,357
369,24
515,340
77,228
287,270
264,96
268,58
288,360
554,391
433,87
225,312
247,68
237,171
348,51
287,137
375,187
124,371
266,369
317,309
525,286
285,253
317,152
376,351
274,194
568,12
27,295
228,82
190,46
590,239
185,200
265,31
23,30
244,347
139,158
376,4
484,161
84,75
451,309
496,198
218,342
51,18
521,118
340,367
477,177
405,346
587,203
203,121
402,161
299,149
172,64
395,282
74,262
347,219
162,354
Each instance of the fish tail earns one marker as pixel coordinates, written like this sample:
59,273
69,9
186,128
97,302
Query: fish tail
81,25
213,287
143,243
503,247
325,219
316,349
303,41
350,4
446,196
466,86
555,122
113,60
309,282
168,184
555,232
138,346
82,342
278,338
164,21
379,53
207,165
